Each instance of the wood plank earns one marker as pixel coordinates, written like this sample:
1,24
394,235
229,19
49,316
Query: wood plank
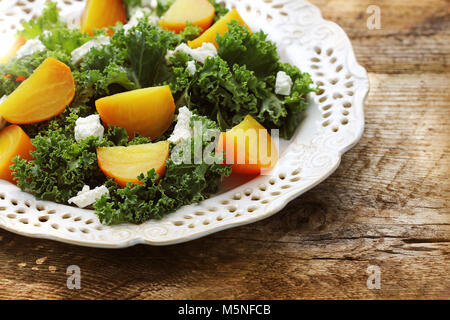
387,205
414,35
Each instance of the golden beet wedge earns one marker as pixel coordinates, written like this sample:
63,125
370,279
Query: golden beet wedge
125,164
13,142
248,148
198,12
45,94
100,14
148,111
220,27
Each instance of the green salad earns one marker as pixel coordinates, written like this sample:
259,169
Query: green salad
220,84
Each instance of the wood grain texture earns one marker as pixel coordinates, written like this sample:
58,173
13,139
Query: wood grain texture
387,204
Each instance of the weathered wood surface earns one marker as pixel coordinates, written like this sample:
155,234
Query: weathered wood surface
387,205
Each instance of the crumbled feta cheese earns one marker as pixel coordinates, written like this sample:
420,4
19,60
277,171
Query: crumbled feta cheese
191,68
89,127
2,121
133,11
169,54
86,197
150,3
183,128
183,48
200,54
30,47
206,50
79,53
137,15
283,84
153,19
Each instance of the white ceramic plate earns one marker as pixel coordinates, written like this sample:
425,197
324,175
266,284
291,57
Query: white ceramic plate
333,124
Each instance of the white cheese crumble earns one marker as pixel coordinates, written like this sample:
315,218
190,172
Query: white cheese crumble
169,54
2,121
30,47
134,19
182,129
153,19
79,53
86,196
191,68
89,127
150,3
199,54
283,84
137,15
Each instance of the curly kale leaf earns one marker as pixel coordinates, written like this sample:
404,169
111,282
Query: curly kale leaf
92,84
103,71
190,32
116,136
179,79
182,184
220,91
147,47
49,20
297,102
133,60
59,168
65,122
226,91
239,46
64,40
7,83
220,8
25,66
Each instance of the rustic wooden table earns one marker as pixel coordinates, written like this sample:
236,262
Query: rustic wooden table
388,205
